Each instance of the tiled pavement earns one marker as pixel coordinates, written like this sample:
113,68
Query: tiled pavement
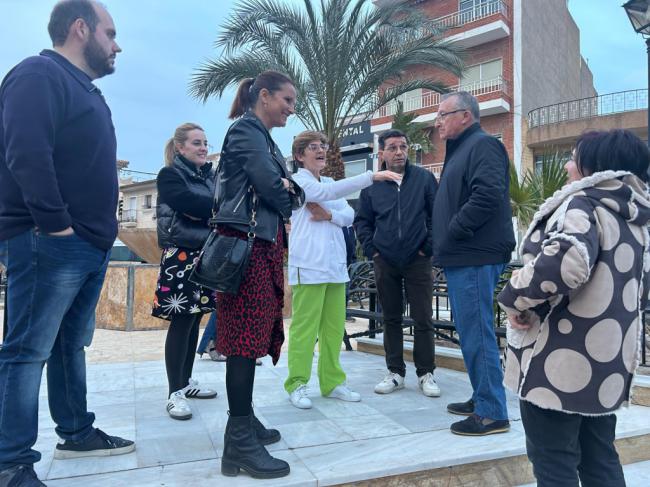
332,443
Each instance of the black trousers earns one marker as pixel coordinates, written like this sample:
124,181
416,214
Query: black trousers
180,344
416,280
566,447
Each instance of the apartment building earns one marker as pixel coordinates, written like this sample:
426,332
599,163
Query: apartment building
519,55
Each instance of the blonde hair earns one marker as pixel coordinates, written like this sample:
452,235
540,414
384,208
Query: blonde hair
301,141
180,136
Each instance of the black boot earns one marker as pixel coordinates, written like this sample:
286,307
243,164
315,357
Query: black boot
241,449
264,435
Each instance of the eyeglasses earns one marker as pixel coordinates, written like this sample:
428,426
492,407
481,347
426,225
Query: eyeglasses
443,115
315,147
395,148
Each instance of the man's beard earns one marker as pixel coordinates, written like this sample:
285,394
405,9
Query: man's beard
96,58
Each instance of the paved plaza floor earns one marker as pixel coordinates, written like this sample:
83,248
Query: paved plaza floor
335,442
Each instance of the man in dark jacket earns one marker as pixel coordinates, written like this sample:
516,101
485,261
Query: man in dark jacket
473,243
58,197
394,227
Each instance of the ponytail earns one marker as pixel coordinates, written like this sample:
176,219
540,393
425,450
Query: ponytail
249,90
180,136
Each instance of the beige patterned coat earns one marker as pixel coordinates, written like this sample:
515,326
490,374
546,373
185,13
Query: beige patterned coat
583,285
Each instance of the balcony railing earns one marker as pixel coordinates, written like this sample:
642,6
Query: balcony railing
466,16
432,98
595,106
129,216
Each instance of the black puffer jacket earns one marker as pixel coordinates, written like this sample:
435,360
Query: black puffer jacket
249,157
396,220
184,190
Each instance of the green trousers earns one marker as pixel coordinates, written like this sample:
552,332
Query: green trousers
318,311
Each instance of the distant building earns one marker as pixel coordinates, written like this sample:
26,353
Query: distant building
520,55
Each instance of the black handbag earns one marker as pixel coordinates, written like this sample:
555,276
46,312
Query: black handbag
223,260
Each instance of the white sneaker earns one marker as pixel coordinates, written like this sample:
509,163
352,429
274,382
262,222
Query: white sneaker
428,385
344,393
192,389
392,382
299,398
178,407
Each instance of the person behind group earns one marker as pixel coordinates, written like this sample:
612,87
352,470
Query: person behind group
473,243
575,311
318,271
58,201
394,226
185,193
252,175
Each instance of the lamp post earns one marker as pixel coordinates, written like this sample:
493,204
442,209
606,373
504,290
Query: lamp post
639,13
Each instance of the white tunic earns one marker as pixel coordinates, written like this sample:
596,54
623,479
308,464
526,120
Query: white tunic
317,252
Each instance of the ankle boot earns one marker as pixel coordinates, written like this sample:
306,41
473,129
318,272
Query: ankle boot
241,449
264,435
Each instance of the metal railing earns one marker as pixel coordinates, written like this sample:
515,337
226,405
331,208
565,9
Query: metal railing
129,216
466,16
595,106
432,98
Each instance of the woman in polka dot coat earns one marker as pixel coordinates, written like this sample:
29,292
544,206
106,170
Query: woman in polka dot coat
574,311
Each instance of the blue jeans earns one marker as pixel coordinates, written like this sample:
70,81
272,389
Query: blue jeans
53,287
210,333
471,291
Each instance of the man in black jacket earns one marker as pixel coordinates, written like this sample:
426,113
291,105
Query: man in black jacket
394,227
58,196
473,242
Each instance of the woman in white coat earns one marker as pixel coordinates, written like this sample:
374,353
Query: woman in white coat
318,271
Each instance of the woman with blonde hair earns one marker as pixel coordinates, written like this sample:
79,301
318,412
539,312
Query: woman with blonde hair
318,271
185,192
254,186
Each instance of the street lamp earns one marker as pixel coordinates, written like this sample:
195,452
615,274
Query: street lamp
639,13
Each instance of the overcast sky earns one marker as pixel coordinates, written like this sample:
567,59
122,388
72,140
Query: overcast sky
163,41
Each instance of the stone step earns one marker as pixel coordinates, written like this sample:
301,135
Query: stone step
452,358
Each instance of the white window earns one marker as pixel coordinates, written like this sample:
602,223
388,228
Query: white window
147,201
354,168
474,75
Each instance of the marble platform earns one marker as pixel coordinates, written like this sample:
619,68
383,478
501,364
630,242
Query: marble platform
397,439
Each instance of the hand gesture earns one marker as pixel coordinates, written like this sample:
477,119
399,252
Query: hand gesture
318,213
386,176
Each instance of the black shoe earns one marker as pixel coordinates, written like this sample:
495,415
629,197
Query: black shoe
241,449
98,444
20,476
475,425
264,435
461,408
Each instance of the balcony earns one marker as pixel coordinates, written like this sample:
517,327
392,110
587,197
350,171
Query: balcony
128,218
596,106
489,19
561,124
494,86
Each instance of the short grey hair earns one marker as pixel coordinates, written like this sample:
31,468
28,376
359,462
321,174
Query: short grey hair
465,100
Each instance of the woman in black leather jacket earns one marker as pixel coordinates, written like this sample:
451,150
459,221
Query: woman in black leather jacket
250,322
185,192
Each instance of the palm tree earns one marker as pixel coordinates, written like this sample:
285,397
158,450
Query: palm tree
346,57
418,134
535,186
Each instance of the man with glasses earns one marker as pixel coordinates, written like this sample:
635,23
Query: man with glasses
394,227
473,243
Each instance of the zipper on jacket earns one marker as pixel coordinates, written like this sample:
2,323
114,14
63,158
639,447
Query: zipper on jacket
399,215
171,225
241,200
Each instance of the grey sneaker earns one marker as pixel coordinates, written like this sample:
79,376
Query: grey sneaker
98,444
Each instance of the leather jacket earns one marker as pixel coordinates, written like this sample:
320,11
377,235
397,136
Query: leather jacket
250,159
184,191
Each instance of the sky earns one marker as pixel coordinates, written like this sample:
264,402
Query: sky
164,41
